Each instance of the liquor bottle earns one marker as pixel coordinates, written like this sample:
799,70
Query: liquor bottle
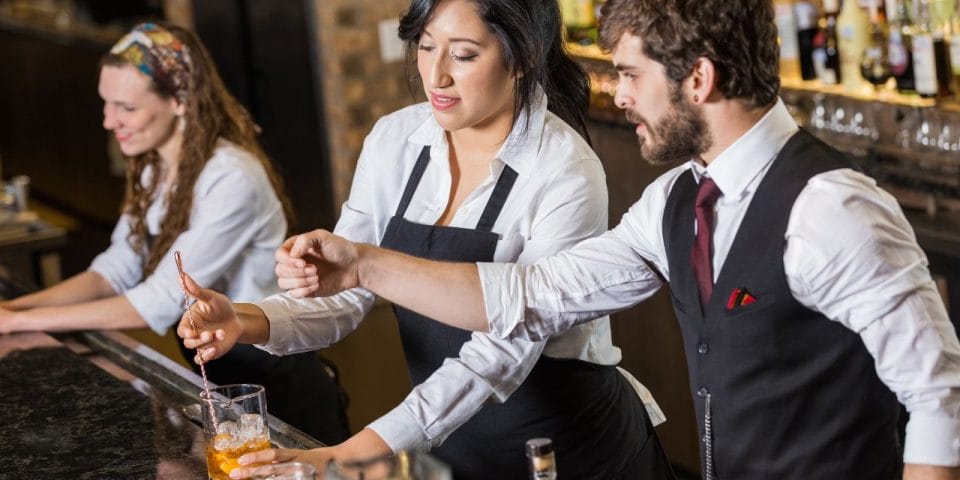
955,48
940,14
900,47
875,66
579,20
826,55
542,461
787,30
924,58
807,17
853,35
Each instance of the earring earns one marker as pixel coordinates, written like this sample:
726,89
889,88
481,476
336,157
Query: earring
181,123
696,98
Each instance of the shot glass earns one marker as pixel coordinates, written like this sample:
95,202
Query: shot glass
234,423
402,466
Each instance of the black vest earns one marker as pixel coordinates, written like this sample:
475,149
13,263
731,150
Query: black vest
793,394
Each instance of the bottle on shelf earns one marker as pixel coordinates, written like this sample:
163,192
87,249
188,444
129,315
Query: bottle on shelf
853,35
807,17
542,460
925,54
875,65
900,47
955,49
826,54
787,30
940,13
580,21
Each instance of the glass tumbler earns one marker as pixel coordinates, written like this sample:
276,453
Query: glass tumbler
234,423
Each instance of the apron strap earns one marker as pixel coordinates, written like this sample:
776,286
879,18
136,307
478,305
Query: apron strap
497,199
414,180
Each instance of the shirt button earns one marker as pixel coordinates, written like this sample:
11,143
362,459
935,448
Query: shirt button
703,392
702,349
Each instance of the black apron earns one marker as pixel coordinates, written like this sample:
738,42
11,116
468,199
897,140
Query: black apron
597,422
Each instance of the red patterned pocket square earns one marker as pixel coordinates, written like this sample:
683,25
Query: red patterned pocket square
740,297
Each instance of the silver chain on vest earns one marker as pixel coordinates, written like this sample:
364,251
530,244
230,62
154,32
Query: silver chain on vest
707,440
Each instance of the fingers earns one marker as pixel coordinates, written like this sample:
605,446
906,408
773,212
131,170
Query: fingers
283,257
249,461
287,271
196,291
298,282
306,241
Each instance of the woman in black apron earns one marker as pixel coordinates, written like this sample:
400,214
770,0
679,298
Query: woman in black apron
426,187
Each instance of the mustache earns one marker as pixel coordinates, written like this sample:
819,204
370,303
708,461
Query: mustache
634,117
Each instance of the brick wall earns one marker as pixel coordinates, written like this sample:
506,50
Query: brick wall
358,87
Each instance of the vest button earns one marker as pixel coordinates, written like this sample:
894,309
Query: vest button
703,392
702,349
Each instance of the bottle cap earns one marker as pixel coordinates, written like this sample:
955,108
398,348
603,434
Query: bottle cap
539,446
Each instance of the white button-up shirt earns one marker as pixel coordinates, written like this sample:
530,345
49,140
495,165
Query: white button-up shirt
236,225
558,199
850,254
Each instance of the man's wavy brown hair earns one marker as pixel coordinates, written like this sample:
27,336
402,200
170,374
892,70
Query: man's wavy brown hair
738,36
211,113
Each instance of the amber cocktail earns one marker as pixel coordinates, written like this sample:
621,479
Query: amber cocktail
234,423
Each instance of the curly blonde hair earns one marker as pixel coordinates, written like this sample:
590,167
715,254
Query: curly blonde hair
211,113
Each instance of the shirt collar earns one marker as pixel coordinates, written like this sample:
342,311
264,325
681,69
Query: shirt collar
737,166
522,145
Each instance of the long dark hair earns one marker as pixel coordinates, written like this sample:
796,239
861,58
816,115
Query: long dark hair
530,33
211,114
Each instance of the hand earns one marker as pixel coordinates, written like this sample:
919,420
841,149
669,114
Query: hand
317,263
930,472
364,445
7,321
217,326
318,457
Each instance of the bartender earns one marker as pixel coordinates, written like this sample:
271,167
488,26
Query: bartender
197,181
806,306
494,167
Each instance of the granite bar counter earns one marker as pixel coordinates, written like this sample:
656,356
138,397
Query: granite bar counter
100,405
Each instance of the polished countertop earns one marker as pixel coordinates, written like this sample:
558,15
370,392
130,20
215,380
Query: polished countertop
101,405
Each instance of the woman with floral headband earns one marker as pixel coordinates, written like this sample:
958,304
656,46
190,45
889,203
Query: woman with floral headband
197,181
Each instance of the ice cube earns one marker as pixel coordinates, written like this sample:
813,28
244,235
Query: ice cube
251,426
228,428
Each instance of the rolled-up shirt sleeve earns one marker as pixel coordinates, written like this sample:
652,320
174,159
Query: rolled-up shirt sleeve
852,255
229,210
597,277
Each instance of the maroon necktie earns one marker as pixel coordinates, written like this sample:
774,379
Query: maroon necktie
701,257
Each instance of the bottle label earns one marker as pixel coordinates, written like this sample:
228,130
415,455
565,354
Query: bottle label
924,65
955,53
897,54
827,76
787,28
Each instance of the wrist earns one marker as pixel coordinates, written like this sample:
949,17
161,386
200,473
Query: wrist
252,324
364,265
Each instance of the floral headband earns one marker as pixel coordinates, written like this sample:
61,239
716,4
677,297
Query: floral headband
159,54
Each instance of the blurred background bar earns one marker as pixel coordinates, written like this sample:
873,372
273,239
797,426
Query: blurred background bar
874,78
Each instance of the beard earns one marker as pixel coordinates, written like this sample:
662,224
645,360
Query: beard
679,135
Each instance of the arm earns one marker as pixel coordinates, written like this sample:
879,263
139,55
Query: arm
105,312
82,287
596,277
852,256
88,300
